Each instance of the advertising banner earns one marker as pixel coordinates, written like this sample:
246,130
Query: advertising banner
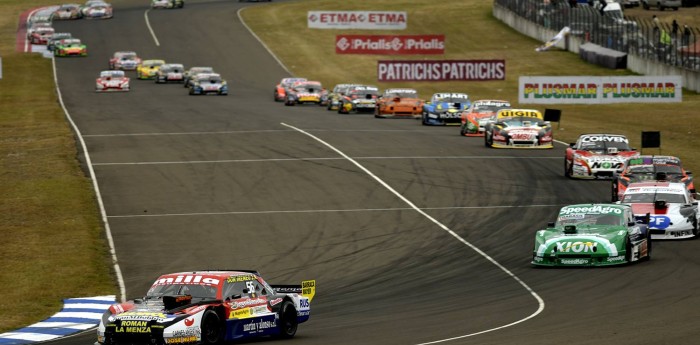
441,70
600,90
390,44
372,20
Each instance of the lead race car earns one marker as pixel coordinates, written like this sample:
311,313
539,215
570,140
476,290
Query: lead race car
672,210
399,103
444,108
518,128
592,235
597,156
208,307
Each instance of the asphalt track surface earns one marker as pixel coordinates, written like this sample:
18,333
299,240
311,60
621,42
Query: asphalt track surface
219,182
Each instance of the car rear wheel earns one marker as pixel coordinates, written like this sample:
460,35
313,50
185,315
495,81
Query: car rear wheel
288,320
211,328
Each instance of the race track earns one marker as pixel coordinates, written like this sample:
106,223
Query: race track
382,213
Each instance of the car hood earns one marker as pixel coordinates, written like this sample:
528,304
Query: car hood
602,240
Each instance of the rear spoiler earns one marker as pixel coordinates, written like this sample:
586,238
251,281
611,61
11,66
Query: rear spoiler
306,289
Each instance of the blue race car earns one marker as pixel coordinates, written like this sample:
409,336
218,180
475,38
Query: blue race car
445,108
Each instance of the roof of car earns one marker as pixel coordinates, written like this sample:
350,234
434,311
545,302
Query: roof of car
656,186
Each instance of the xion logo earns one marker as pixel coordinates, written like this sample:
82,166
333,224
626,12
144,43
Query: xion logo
189,322
576,247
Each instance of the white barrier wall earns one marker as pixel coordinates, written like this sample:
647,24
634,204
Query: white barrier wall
691,78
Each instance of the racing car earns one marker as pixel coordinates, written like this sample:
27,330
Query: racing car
171,72
148,68
478,115
193,71
649,168
124,60
399,103
359,99
597,156
112,80
444,108
70,47
208,307
592,235
41,35
280,93
518,128
167,3
98,10
333,98
53,40
67,11
305,92
208,84
671,209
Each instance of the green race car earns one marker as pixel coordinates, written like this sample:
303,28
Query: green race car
70,47
592,235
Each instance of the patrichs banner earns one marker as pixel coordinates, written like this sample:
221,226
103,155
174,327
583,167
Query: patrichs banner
600,90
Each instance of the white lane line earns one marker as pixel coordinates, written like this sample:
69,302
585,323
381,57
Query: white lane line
148,24
312,159
279,62
326,211
532,292
93,178
183,133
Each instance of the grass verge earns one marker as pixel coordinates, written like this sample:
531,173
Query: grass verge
471,32
53,244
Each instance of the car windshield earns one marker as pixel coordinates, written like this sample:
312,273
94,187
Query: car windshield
519,122
194,290
362,93
487,108
311,88
602,146
112,74
210,80
453,99
653,169
403,94
128,56
589,219
653,197
152,63
196,70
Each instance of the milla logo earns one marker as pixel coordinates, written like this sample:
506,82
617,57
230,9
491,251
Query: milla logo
189,322
343,44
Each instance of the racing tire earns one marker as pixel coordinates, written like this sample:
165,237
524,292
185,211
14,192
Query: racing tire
487,143
568,170
613,197
288,320
424,119
462,132
695,229
212,328
628,250
649,241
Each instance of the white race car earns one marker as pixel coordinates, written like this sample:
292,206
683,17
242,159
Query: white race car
672,210
597,156
112,80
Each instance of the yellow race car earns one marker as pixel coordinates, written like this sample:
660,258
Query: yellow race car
148,68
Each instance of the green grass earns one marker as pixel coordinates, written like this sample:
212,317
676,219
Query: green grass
53,244
471,32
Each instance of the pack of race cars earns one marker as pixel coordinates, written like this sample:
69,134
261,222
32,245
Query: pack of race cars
652,197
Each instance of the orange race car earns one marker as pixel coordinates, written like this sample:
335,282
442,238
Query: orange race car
478,114
399,103
281,88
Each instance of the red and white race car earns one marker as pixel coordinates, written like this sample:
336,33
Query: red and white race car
41,35
597,156
281,89
112,81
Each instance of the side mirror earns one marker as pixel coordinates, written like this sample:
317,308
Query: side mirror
570,229
550,224
572,144
631,223
236,296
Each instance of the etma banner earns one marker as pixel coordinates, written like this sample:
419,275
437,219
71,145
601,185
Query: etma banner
600,90
373,20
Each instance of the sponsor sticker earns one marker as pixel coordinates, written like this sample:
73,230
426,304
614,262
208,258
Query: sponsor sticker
390,44
440,70
376,20
574,261
596,209
615,259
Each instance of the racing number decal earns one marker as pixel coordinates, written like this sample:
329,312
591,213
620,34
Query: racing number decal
250,286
